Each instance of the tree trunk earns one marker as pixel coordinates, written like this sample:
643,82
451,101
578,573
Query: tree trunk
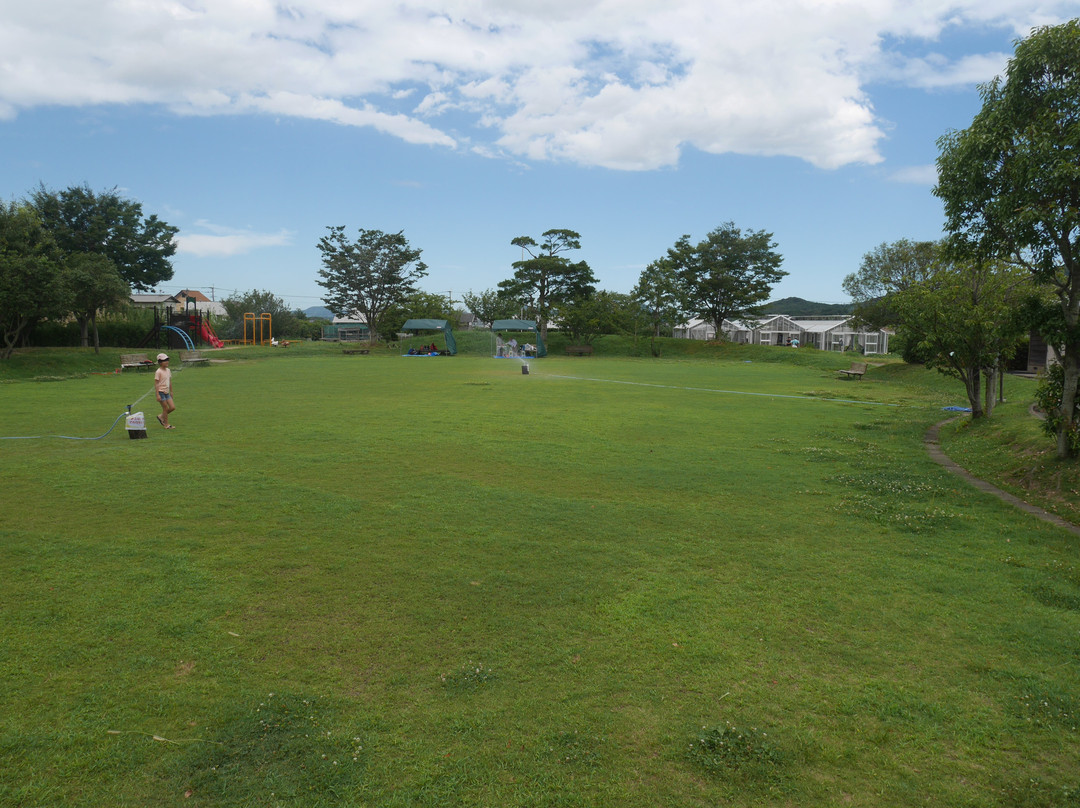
84,322
990,393
1069,298
1071,365
972,381
12,337
97,340
372,323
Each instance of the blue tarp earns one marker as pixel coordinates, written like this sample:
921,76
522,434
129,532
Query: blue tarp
434,325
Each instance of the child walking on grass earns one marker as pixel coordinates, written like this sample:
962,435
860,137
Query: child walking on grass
163,389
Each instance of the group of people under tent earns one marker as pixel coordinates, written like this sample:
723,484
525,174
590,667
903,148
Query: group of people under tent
511,349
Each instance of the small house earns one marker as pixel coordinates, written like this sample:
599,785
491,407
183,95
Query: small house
823,333
351,328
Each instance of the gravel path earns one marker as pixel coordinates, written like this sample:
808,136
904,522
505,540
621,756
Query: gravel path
933,447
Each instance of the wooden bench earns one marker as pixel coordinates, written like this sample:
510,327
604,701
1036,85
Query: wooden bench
857,370
135,361
352,351
579,350
193,358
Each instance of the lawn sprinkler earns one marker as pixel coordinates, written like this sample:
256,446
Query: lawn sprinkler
136,424
524,370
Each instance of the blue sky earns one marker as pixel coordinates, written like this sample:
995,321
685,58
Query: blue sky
253,125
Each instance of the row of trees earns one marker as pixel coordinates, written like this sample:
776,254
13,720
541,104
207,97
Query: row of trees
963,317
726,275
1010,184
75,253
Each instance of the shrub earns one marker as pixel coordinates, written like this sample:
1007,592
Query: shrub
1048,397
116,330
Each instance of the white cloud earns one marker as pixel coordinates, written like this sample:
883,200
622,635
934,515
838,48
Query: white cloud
619,83
218,241
916,175
936,71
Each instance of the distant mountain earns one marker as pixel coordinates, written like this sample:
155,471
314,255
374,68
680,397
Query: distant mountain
797,307
319,313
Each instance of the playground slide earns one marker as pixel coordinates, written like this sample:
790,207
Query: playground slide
208,335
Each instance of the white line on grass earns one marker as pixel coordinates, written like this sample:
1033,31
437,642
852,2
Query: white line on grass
725,392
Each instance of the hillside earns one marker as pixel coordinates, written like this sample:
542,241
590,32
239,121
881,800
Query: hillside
797,307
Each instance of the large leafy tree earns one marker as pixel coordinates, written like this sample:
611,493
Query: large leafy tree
284,322
967,317
728,274
489,306
601,313
95,286
662,295
421,306
1010,184
368,275
625,314
32,284
85,222
886,270
547,278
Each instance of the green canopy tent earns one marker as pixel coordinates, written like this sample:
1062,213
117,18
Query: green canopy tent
434,325
521,325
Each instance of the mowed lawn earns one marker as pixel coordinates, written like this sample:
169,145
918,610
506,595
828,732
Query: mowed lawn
380,581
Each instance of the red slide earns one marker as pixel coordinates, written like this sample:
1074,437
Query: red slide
208,335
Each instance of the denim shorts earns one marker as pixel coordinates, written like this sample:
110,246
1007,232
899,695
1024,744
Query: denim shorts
164,396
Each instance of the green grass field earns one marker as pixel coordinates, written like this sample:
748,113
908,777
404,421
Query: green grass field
379,581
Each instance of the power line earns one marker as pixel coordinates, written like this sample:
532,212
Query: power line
223,290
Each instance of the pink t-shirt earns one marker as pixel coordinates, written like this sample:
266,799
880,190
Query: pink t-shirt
163,380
